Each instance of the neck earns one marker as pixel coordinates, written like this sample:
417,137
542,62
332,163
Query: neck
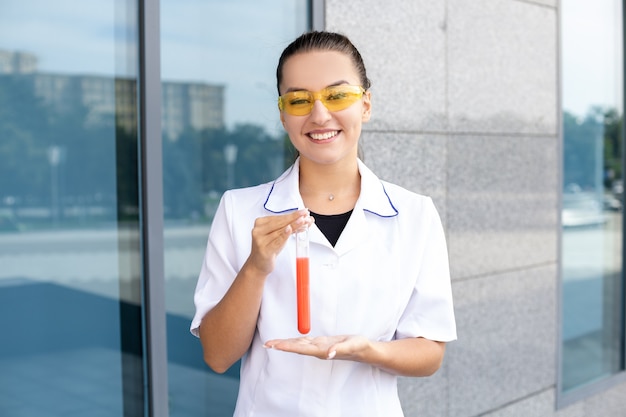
340,182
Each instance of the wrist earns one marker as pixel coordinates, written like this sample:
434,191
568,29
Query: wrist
252,270
372,353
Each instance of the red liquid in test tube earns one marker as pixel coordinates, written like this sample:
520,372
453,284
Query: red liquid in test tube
302,281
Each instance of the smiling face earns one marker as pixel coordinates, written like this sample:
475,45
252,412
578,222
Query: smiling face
322,136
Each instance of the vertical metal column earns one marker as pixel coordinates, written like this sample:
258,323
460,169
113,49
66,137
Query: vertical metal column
559,192
623,139
151,183
318,14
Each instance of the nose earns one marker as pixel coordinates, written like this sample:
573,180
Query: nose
319,113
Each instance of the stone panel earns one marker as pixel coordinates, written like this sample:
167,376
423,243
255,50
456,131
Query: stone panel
502,203
425,397
502,67
507,340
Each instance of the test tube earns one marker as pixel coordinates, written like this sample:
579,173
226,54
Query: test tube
302,281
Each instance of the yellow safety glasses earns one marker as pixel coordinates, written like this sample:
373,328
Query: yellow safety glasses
335,98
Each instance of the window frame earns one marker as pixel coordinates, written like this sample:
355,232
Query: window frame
564,399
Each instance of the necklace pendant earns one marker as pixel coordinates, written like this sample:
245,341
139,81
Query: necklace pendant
331,197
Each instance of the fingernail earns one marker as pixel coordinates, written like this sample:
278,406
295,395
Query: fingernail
332,354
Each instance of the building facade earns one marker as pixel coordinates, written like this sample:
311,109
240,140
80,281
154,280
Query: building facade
121,124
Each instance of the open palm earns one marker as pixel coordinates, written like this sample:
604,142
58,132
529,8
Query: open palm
322,347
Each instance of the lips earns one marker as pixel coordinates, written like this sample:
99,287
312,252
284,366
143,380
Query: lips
324,135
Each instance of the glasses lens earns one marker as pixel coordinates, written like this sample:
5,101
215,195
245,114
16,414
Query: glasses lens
300,103
340,97
297,103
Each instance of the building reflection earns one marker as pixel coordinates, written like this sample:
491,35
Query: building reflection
185,105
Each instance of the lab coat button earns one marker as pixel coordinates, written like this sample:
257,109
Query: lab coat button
331,265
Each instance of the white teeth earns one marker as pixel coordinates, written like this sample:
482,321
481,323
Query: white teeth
322,136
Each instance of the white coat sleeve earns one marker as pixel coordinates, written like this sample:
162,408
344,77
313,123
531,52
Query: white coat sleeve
430,312
218,269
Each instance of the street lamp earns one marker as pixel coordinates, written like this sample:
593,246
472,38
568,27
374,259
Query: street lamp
54,159
230,155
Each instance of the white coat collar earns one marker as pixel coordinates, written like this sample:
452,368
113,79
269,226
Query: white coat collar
284,195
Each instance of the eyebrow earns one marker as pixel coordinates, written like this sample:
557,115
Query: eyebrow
336,83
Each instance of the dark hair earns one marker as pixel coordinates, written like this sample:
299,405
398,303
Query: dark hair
323,41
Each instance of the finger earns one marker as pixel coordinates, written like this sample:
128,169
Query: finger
330,350
300,340
274,342
301,349
276,239
302,223
271,235
270,344
281,221
303,345
275,232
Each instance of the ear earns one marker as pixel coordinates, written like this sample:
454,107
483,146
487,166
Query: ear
367,106
282,118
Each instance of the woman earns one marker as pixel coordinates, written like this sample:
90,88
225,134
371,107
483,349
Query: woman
381,304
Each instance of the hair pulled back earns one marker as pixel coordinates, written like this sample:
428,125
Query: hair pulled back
323,41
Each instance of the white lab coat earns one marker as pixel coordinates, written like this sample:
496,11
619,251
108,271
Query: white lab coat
386,278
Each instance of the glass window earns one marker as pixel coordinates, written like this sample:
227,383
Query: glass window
593,203
69,244
220,130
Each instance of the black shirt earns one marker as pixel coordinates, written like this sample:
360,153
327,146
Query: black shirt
331,225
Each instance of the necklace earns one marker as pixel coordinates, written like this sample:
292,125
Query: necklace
331,197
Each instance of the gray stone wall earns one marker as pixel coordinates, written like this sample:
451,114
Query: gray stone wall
466,110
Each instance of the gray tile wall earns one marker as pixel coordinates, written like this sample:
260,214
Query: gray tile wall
466,110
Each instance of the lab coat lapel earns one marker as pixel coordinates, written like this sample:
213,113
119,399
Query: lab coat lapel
316,236
356,232
284,196
373,200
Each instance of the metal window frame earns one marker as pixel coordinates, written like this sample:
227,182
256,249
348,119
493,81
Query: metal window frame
565,399
318,14
151,221
623,312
